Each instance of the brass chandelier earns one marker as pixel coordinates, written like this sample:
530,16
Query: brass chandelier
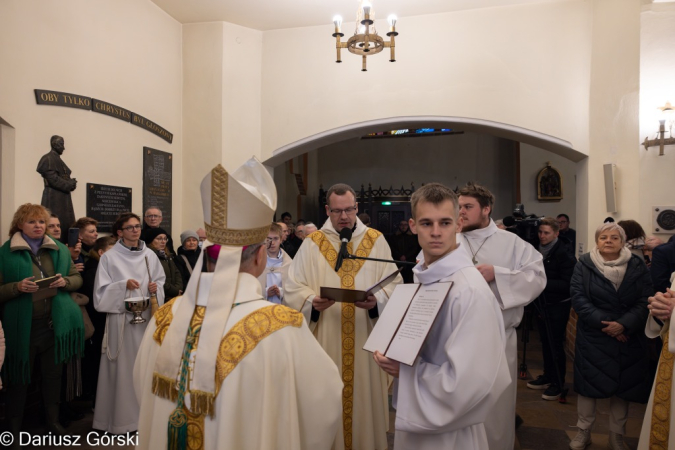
365,41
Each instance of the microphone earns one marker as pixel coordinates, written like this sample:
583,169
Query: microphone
345,237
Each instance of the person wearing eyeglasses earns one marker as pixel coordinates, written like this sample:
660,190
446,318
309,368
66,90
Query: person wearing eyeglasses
274,278
122,274
153,219
157,240
342,328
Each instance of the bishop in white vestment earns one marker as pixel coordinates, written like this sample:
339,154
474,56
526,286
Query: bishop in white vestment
658,426
343,328
222,368
116,409
443,399
519,278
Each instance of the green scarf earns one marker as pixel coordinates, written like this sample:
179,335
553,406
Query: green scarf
18,314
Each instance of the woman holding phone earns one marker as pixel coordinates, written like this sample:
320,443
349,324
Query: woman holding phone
40,319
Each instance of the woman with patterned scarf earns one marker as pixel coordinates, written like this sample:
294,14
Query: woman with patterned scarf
48,327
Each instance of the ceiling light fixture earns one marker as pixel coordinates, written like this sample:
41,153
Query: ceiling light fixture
365,41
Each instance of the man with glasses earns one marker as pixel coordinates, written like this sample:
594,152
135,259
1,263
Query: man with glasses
342,328
153,219
567,234
273,280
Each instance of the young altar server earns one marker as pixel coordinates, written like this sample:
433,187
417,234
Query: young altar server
123,273
442,400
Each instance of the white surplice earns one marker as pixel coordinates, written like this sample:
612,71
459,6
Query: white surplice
443,399
519,279
309,271
285,394
116,409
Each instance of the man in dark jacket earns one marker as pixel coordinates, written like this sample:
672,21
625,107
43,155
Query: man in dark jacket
553,308
663,265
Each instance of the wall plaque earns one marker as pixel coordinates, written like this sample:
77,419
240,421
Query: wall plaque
151,127
62,99
157,181
111,110
105,203
45,97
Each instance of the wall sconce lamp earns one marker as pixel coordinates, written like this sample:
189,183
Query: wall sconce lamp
661,141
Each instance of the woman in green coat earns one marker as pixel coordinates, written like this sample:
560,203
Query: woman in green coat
39,321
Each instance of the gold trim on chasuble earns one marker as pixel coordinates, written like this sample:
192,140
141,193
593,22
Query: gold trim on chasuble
347,274
660,429
234,346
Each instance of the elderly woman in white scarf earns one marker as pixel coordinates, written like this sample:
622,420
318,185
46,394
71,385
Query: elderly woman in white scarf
609,290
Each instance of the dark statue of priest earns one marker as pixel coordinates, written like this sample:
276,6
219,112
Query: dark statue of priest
58,184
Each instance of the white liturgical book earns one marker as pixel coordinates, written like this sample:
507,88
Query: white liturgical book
403,326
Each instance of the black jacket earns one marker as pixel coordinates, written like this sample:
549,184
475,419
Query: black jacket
663,265
559,266
603,366
173,283
192,257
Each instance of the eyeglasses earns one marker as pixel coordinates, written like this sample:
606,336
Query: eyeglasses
132,228
348,211
153,216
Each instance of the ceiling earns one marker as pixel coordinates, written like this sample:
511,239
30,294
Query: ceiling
275,14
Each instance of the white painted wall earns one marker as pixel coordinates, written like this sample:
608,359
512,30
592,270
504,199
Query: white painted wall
202,112
657,85
126,52
523,65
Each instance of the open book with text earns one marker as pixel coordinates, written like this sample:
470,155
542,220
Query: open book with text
403,326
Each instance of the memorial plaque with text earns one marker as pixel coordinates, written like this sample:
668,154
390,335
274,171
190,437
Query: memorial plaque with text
105,203
157,181
111,110
56,98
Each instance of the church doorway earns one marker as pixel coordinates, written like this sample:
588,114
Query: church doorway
385,167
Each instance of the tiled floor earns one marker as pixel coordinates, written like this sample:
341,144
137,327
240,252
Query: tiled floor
548,425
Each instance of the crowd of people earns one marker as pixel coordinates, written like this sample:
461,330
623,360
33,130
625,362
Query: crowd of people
235,324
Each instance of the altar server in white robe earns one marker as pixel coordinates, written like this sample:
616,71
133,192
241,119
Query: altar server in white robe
658,426
122,273
343,328
442,400
515,272
222,368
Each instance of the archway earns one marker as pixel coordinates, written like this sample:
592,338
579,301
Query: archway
538,149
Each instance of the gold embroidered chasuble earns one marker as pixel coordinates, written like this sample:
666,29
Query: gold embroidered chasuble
238,342
342,329
661,406
281,393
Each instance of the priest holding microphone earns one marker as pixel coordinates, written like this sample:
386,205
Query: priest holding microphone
342,328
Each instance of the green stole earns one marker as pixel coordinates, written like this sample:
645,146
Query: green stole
18,314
